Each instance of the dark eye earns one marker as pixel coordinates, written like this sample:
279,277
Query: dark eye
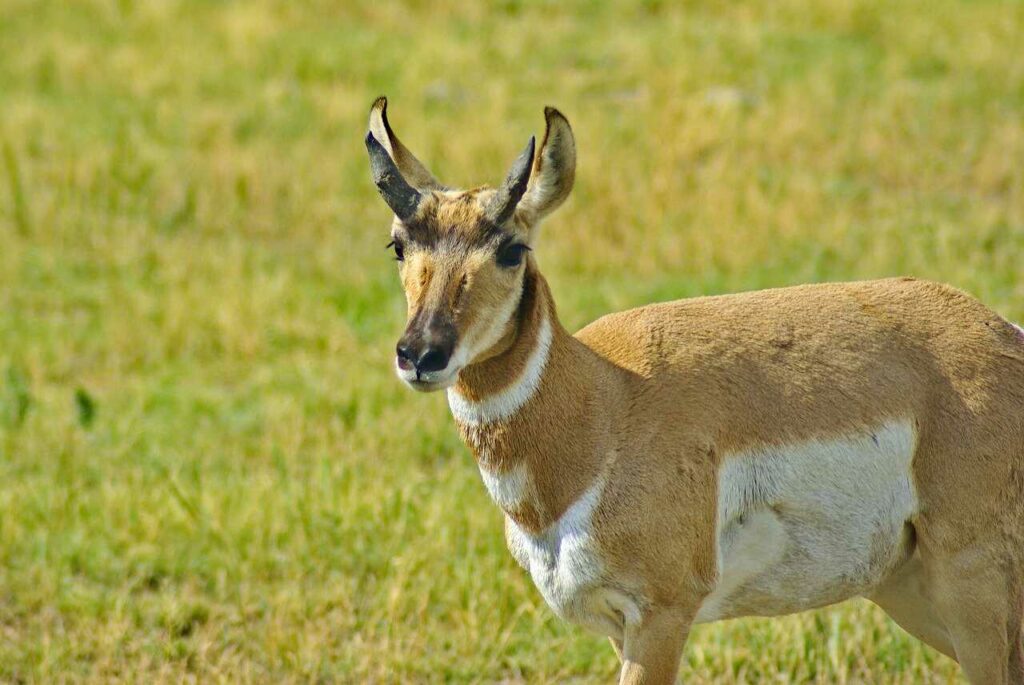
512,254
399,250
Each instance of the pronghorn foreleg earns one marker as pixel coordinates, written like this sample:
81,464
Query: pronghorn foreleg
907,597
981,608
651,650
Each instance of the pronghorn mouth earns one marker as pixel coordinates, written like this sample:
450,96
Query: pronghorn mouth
425,385
427,381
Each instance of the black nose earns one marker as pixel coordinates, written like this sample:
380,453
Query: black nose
433,358
423,356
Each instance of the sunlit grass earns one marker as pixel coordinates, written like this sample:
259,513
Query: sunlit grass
207,470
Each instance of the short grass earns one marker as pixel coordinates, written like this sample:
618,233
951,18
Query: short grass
207,470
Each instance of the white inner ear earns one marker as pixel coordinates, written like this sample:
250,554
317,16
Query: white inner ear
551,183
541,188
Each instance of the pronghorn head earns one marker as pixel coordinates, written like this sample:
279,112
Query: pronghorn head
463,255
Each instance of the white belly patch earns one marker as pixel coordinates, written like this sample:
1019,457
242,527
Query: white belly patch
565,564
806,525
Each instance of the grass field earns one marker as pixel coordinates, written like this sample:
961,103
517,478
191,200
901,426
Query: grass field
208,472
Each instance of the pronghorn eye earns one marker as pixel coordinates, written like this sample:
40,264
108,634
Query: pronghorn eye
512,254
399,250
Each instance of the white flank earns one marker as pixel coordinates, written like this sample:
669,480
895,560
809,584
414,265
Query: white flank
509,488
801,526
504,404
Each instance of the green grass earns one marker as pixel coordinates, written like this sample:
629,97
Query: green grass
207,469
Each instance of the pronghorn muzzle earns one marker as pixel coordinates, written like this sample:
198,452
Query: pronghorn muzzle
426,347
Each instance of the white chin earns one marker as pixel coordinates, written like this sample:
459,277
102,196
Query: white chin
431,381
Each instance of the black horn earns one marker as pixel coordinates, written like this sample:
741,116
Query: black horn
413,171
401,197
500,208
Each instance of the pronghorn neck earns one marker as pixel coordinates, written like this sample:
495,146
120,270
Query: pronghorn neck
532,414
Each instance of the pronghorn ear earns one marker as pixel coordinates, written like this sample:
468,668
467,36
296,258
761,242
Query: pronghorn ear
554,170
411,168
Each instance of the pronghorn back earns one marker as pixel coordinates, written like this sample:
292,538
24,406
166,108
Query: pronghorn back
815,360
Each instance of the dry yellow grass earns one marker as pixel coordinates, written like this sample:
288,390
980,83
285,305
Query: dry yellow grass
207,470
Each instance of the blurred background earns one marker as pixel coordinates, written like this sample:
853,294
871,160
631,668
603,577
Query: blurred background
207,469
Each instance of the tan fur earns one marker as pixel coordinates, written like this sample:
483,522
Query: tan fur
652,400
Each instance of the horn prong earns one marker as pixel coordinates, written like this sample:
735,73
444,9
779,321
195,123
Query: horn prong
413,170
402,198
502,206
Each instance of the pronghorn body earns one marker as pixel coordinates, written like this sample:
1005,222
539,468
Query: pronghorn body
753,454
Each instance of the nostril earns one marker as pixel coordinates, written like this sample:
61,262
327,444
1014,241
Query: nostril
404,355
432,359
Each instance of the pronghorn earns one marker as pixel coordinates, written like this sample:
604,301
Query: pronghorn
755,454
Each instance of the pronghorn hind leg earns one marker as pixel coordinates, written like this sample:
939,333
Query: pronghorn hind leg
906,598
980,605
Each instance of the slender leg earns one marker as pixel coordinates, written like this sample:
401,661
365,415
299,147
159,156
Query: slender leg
981,608
652,649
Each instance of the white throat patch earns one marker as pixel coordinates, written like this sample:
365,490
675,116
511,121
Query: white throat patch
508,489
504,404
566,565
